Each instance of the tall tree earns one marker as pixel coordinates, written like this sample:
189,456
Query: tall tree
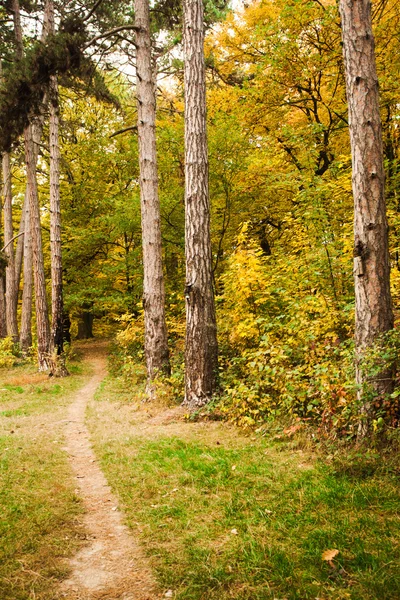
3,324
201,350
57,305
11,290
27,291
374,314
42,316
19,250
156,339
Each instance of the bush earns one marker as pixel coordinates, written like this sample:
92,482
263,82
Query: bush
8,353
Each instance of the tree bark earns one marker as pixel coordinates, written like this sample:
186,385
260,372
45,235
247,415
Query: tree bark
42,314
201,351
27,291
156,338
11,291
19,251
374,314
32,134
57,304
3,324
19,53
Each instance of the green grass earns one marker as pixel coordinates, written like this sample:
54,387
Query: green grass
24,387
227,516
38,505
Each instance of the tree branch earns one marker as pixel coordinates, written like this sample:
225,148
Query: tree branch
110,33
131,128
11,241
91,12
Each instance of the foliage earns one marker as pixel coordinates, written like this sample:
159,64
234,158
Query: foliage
280,194
8,353
284,343
22,90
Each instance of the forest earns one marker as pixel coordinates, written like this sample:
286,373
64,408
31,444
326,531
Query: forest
199,273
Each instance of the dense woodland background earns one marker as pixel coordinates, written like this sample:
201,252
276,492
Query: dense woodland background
280,195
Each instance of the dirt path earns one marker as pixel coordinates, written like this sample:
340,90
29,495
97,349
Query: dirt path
111,566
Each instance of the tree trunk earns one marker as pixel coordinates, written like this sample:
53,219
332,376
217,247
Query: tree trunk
32,136
42,315
156,339
19,251
374,314
3,324
85,325
55,225
27,291
201,352
66,328
57,305
37,130
11,291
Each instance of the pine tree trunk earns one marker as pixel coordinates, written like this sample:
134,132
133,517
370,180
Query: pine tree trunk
201,352
56,343
57,305
32,136
374,314
11,291
19,251
27,291
3,324
42,315
156,339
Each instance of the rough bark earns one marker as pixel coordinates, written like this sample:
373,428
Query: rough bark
57,304
201,352
156,339
27,291
55,225
374,314
42,314
37,130
11,291
3,324
19,250
32,136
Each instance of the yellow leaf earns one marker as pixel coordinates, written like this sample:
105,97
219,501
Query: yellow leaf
329,555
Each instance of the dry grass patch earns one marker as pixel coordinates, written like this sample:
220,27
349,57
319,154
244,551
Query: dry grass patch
38,503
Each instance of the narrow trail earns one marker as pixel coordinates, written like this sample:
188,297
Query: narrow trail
110,566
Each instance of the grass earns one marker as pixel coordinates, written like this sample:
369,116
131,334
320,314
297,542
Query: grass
38,505
224,516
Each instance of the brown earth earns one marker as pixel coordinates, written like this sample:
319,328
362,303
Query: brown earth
111,565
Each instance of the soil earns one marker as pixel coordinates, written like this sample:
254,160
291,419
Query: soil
111,565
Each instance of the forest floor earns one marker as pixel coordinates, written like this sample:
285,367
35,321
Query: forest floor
104,497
